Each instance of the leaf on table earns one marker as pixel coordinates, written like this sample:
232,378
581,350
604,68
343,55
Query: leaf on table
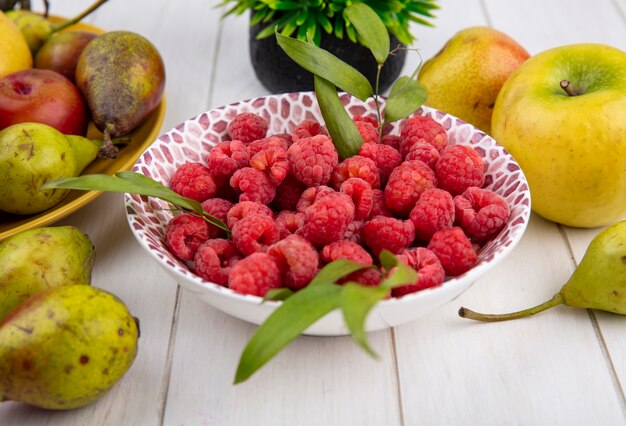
405,97
372,31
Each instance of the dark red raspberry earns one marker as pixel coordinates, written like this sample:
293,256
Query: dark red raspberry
255,274
266,143
365,119
274,162
425,152
459,168
288,194
354,232
307,129
344,249
366,277
389,233
193,180
244,209
254,185
289,222
362,196
378,206
311,195
392,141
214,260
356,167
433,212
254,233
184,234
420,128
247,127
297,259
430,273
480,212
385,157
454,250
405,185
313,160
226,158
368,132
327,219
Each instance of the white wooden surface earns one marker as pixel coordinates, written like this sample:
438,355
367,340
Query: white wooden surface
563,367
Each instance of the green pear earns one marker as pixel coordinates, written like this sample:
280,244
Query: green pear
32,154
37,259
65,347
599,281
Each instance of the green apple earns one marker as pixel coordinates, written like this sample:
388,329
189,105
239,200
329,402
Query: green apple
562,115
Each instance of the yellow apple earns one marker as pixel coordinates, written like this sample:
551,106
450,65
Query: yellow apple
464,78
14,52
562,115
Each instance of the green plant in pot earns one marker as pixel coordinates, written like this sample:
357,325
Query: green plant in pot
330,28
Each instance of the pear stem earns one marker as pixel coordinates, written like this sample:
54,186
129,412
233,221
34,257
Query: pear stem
107,150
78,18
567,88
555,301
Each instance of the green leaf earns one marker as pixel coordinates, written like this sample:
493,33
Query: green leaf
286,323
336,270
372,32
326,65
356,303
405,97
278,294
402,274
342,129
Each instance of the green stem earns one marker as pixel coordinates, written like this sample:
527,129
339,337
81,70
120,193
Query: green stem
78,18
555,301
376,100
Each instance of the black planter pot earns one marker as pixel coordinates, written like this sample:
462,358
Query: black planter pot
280,74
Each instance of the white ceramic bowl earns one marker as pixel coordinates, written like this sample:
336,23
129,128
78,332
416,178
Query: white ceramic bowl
191,140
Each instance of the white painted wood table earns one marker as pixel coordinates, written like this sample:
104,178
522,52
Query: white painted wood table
562,367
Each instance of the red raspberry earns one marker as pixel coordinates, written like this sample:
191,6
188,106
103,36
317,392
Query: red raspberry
227,157
368,132
378,206
289,222
214,260
366,277
274,162
433,212
327,219
254,233
184,234
247,127
307,129
430,273
217,207
344,249
313,160
354,232
362,196
459,168
311,195
254,185
193,180
356,167
244,209
266,143
420,128
389,233
385,157
392,141
288,193
364,119
297,260
454,250
255,274
405,185
425,152
480,212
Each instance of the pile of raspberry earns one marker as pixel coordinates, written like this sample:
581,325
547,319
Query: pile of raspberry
293,206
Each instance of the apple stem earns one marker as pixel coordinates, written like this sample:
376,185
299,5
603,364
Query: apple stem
567,88
468,313
78,18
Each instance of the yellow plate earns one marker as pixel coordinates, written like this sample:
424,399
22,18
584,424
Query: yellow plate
141,138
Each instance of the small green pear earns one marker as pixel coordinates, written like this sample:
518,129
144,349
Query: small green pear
32,154
65,347
599,281
41,258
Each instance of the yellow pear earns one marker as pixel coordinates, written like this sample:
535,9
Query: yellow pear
464,78
14,51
